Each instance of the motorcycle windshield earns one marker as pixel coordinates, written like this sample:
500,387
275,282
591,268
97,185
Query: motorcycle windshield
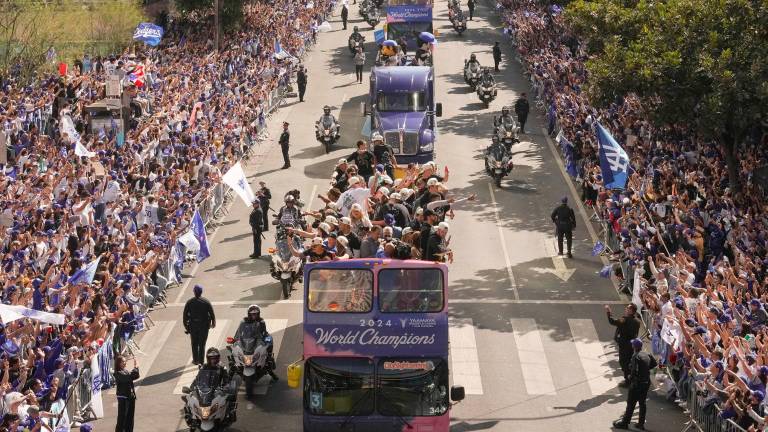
282,250
206,386
497,152
327,123
248,342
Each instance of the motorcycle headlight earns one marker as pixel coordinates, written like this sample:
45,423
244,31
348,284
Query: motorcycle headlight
497,164
327,131
205,412
247,360
508,134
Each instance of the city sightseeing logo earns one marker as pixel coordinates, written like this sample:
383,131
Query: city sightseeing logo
370,337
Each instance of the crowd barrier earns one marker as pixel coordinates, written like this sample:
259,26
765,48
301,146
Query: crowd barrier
168,273
704,418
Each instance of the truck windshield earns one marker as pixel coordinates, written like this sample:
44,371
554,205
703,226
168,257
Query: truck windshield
339,386
412,387
414,101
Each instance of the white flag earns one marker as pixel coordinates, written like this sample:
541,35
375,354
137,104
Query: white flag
636,291
671,333
235,178
189,241
96,378
80,150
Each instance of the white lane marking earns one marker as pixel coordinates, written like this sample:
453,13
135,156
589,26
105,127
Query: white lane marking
560,269
533,361
275,327
465,369
215,339
584,216
155,338
507,261
592,356
452,301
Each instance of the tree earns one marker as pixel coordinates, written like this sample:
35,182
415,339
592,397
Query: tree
698,62
230,11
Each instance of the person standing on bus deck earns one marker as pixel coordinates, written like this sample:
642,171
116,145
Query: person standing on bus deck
126,394
344,14
284,141
256,220
301,81
471,6
627,328
198,318
565,222
496,56
640,366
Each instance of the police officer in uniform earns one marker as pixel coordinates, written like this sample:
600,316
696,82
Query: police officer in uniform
301,81
496,56
627,328
126,395
284,141
264,196
198,318
256,220
471,6
565,222
344,15
521,109
639,381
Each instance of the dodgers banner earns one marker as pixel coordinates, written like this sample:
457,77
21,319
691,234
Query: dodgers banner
148,33
409,14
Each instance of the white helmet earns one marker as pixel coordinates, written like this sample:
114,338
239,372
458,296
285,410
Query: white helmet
377,137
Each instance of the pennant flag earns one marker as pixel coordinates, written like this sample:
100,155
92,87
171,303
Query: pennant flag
198,230
605,272
85,274
614,162
235,178
148,33
80,150
598,248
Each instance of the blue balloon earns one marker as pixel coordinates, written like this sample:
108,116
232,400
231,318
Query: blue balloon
427,37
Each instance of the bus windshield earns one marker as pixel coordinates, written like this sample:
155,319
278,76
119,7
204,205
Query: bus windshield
339,386
412,387
411,290
340,290
414,101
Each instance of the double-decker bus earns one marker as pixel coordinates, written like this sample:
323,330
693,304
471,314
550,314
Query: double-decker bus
376,347
408,18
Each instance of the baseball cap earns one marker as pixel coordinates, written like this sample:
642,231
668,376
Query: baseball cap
342,161
443,225
325,227
396,195
433,182
384,191
353,180
345,220
330,220
343,240
317,241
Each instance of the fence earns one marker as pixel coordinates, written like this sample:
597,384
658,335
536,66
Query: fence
704,418
168,273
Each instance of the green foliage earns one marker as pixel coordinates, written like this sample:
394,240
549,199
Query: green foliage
702,62
230,11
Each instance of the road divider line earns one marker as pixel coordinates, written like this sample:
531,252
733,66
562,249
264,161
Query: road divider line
215,339
533,361
592,356
275,327
465,369
507,261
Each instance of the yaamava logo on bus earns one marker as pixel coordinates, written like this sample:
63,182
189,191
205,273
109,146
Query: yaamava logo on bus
370,337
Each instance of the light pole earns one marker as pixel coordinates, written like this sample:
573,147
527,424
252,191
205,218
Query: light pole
216,22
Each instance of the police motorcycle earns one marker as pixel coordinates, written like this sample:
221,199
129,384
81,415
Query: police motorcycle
498,161
365,6
373,16
251,350
486,88
211,403
459,22
506,128
454,8
356,40
327,129
283,266
472,71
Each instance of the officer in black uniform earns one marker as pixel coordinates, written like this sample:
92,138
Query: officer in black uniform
126,395
198,318
256,220
639,381
565,222
301,81
284,141
496,56
471,6
627,328
521,109
344,15
264,196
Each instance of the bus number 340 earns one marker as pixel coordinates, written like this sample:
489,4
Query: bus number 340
375,323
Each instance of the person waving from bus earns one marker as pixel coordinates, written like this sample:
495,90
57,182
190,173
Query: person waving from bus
316,252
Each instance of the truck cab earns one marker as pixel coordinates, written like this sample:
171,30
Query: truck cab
402,108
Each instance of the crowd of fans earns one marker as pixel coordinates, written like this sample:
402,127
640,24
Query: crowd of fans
185,121
698,247
373,210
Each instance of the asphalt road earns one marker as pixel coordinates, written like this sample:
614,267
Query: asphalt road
529,337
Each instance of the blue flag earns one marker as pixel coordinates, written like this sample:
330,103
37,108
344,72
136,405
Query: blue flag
598,248
614,162
570,162
378,35
198,230
85,274
605,272
148,33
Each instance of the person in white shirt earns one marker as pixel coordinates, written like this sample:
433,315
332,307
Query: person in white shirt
356,194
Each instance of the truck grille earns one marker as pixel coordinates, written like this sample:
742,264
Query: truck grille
410,144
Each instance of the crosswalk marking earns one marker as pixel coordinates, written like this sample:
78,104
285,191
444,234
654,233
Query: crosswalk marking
215,339
533,362
155,339
275,327
592,356
463,348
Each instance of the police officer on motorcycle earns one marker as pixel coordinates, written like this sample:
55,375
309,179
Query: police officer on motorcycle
212,363
259,328
289,214
486,79
473,63
356,36
496,148
328,121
